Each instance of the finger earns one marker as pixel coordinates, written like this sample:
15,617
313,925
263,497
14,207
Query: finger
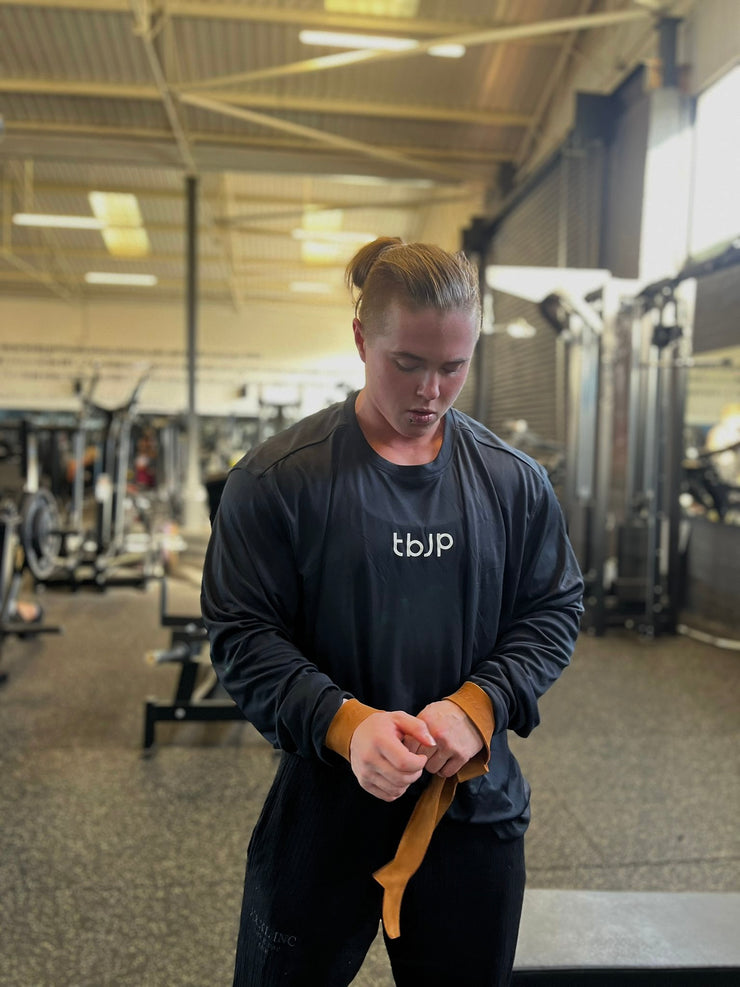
396,757
444,763
445,768
381,788
450,769
412,745
394,775
412,726
436,763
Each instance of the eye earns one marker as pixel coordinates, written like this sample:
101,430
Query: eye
406,368
453,369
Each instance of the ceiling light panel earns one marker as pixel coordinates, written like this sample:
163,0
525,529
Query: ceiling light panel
322,220
115,208
374,42
376,8
123,241
114,278
322,252
52,221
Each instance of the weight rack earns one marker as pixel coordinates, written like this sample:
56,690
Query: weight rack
190,702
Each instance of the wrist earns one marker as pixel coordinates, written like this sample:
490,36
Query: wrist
346,720
477,706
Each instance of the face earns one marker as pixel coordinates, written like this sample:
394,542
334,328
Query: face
415,369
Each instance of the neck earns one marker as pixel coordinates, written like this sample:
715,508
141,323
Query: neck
397,449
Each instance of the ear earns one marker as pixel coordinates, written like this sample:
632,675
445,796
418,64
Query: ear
359,334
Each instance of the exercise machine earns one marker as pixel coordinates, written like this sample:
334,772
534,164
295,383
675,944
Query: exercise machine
626,356
625,351
12,568
197,689
96,544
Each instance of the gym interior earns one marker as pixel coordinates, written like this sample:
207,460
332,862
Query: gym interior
183,184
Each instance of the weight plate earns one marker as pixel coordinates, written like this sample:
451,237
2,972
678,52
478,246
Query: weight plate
39,533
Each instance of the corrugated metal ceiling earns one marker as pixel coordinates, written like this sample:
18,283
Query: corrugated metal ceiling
131,96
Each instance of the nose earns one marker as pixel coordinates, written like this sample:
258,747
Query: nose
428,388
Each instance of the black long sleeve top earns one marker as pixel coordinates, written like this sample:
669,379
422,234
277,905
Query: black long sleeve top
334,573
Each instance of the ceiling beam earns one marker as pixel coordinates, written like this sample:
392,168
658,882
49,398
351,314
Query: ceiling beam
548,91
23,185
259,13
275,290
28,272
277,145
268,101
284,205
495,35
245,265
313,206
324,137
142,17
355,108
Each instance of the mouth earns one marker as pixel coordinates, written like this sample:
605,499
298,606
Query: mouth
421,416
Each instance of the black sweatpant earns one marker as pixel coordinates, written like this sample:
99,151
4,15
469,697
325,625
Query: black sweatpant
311,906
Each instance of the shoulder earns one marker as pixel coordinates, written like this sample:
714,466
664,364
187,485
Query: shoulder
299,445
496,455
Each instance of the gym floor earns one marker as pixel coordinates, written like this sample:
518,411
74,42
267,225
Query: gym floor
116,869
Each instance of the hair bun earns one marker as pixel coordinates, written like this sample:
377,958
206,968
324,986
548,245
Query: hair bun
360,265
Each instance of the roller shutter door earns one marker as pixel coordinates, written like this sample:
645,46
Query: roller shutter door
558,223
521,371
717,313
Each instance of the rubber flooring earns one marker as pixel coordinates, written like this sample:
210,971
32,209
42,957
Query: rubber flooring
124,870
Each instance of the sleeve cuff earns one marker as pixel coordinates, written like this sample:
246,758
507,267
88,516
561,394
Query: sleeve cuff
476,704
346,720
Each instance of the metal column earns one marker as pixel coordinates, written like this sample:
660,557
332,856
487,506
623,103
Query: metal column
194,515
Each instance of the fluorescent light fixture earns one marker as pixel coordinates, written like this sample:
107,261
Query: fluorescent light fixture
378,8
324,220
115,208
57,222
109,277
126,241
321,252
333,236
447,51
372,180
374,42
310,287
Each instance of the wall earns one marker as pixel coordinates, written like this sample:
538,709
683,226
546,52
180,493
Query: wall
711,41
46,344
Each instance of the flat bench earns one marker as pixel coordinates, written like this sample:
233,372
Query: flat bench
606,938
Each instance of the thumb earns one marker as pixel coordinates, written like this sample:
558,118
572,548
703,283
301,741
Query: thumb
412,726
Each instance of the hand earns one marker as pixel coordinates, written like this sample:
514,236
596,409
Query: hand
455,735
383,766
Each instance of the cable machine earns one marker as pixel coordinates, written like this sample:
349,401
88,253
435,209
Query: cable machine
626,360
624,351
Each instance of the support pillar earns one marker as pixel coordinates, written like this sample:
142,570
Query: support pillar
195,516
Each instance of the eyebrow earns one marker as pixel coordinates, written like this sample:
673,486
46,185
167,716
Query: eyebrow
403,354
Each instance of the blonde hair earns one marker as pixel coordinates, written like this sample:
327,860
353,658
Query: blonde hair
416,275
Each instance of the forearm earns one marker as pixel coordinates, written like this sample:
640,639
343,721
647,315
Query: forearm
250,601
529,657
283,694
